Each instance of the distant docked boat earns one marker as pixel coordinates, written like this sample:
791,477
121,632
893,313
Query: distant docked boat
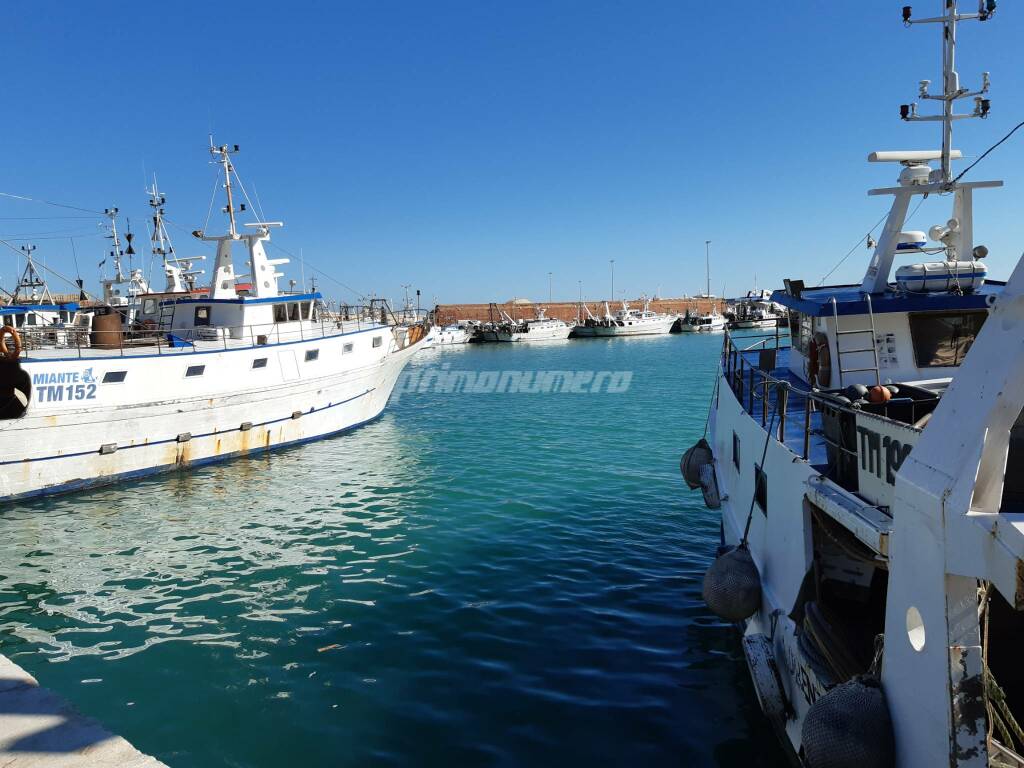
446,336
757,310
703,323
633,322
540,328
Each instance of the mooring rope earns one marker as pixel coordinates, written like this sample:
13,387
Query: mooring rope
764,454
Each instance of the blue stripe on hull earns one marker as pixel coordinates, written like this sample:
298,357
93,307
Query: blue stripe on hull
97,482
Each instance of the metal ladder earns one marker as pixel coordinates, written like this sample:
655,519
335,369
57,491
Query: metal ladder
873,349
166,316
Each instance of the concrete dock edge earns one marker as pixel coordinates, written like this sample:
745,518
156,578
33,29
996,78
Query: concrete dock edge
39,729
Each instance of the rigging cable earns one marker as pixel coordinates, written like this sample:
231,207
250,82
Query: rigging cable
857,244
53,272
984,154
50,202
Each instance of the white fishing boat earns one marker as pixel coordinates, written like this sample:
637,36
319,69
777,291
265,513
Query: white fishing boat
634,322
446,336
225,375
706,322
540,328
870,479
757,310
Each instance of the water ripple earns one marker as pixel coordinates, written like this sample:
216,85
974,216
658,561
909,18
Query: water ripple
473,579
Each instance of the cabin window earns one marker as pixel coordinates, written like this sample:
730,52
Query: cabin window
280,313
736,450
801,330
63,315
32,320
761,488
195,370
347,348
942,339
305,310
312,354
114,377
259,362
149,307
377,341
202,316
293,311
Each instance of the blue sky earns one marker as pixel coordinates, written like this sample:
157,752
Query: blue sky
469,148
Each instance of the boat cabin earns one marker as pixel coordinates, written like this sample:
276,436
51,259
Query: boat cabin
916,327
38,315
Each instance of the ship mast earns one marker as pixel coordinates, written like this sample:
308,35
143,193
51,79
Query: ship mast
161,241
31,281
951,90
917,177
222,155
262,273
116,253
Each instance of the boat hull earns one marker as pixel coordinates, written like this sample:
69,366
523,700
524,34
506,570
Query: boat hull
663,325
544,334
56,449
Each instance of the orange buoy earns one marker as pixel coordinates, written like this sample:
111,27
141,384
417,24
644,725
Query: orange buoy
879,395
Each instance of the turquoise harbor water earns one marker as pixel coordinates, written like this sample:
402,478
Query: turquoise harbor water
473,579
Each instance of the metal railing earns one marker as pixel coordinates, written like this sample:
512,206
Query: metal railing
148,337
774,400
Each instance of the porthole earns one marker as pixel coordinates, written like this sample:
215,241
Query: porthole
915,629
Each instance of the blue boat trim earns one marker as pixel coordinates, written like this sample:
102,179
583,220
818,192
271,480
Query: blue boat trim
96,482
18,309
175,438
248,299
817,302
222,350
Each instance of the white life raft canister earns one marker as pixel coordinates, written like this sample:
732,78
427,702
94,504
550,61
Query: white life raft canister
942,276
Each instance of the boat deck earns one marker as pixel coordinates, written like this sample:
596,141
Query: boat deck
794,426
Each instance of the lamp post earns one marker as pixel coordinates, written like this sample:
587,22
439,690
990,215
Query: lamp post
707,266
612,262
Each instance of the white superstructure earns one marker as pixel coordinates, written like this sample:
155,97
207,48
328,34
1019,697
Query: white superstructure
224,375
870,479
